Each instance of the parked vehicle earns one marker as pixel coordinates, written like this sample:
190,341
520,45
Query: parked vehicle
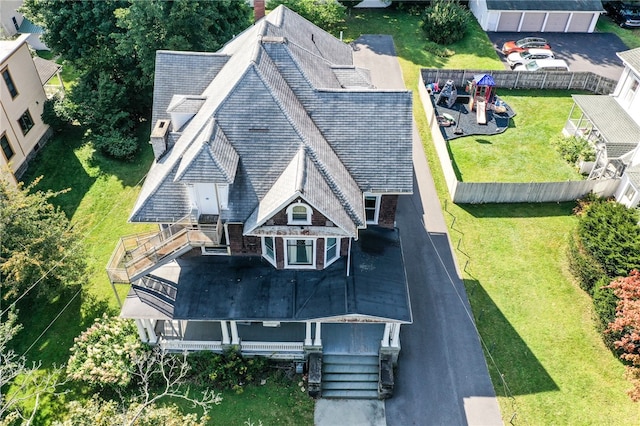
519,58
625,14
543,65
524,44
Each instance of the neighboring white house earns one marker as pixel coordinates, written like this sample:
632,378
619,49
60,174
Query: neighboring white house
13,22
612,123
564,16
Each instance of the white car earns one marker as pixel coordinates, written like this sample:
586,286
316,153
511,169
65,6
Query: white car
519,58
543,65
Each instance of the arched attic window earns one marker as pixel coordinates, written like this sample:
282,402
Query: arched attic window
299,214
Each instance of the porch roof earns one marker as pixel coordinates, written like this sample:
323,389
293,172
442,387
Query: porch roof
611,120
210,288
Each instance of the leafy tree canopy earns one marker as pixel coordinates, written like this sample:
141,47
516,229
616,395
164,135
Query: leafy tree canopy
38,245
327,14
113,44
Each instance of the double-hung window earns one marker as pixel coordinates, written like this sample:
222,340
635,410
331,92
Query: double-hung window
9,82
269,249
332,250
300,253
26,122
372,207
6,147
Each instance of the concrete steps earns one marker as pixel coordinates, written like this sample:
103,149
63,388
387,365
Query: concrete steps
350,376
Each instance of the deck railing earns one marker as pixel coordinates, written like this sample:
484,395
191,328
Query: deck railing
136,254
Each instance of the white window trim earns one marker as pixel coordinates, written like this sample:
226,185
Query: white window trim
378,198
264,251
328,261
291,221
295,265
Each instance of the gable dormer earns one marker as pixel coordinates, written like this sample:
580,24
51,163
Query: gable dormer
183,108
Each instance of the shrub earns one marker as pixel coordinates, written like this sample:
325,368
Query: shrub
627,325
574,149
438,50
57,113
103,354
583,266
228,370
609,232
604,305
116,144
445,21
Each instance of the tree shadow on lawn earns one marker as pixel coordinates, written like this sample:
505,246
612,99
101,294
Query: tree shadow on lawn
511,359
61,169
519,209
76,314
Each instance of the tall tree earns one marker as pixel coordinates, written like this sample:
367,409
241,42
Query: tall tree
113,44
39,250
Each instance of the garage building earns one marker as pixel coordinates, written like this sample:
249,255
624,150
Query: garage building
558,16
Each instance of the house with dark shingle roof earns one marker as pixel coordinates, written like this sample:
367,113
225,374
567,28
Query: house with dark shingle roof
564,16
612,124
278,167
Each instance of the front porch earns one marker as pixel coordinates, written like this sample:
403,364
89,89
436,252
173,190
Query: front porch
282,340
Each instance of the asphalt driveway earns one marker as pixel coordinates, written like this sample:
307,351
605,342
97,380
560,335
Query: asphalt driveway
442,374
595,52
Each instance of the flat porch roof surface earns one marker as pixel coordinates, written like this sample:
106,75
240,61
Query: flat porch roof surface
250,289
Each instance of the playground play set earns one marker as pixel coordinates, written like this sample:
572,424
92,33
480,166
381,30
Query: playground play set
478,96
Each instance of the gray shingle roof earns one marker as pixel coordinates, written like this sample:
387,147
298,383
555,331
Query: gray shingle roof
620,132
302,179
46,69
631,58
212,159
261,105
634,175
547,5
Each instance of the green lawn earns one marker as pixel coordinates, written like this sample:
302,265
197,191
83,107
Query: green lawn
534,320
523,153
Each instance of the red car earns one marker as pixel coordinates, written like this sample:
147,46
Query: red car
524,44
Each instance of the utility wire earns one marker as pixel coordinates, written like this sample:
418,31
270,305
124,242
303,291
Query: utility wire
58,263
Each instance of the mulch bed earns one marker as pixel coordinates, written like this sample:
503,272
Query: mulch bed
465,123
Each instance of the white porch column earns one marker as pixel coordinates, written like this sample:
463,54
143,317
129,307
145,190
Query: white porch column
385,336
307,337
395,336
148,325
225,333
234,333
318,340
141,331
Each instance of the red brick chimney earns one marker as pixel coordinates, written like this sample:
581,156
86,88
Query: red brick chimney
258,10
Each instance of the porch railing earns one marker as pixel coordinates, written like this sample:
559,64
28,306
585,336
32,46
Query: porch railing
281,350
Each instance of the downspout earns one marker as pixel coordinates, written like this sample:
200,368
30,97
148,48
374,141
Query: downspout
349,258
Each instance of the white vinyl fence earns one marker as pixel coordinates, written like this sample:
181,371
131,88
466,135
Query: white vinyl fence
498,192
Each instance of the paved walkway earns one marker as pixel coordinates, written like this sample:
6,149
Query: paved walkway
442,377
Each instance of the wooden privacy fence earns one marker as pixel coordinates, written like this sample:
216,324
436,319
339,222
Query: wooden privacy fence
498,192
565,80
